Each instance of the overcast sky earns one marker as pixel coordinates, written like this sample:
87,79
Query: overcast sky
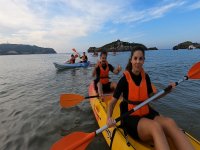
80,24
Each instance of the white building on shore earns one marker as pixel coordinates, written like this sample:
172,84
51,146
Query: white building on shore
191,47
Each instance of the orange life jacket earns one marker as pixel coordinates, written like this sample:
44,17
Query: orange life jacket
104,74
137,94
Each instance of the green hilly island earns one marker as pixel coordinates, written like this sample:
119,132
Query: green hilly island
187,45
20,49
119,46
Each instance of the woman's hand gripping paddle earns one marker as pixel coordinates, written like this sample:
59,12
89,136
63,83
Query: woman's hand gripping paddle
80,140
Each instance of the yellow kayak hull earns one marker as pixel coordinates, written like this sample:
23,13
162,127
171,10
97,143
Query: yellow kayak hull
116,140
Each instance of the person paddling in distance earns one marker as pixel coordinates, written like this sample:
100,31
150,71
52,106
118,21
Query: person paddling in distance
72,59
84,58
144,124
101,71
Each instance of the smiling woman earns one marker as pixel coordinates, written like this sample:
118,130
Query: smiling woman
145,124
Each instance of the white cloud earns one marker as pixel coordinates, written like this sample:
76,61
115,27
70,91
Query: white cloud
149,13
16,15
58,23
45,22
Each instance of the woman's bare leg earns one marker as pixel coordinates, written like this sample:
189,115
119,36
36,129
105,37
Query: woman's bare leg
100,90
150,130
172,131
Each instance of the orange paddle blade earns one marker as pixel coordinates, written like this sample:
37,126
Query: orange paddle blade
194,72
68,100
74,141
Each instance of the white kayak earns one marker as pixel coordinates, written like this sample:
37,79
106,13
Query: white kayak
61,66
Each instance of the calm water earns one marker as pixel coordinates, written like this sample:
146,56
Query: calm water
30,86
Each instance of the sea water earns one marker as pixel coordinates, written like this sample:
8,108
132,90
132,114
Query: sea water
30,88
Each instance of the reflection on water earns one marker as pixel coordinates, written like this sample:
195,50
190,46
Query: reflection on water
30,87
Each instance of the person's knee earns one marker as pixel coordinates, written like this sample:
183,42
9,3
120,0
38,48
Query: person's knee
149,130
169,123
113,85
155,127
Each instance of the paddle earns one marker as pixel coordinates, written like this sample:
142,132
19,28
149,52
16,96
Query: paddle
75,52
69,100
80,140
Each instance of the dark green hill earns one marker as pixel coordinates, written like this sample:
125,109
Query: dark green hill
187,45
20,49
117,46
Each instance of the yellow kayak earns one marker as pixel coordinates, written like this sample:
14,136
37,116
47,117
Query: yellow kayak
115,137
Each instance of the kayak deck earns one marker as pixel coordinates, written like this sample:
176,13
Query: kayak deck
116,140
61,66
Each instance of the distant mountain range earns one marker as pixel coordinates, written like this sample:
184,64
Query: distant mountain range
19,49
119,46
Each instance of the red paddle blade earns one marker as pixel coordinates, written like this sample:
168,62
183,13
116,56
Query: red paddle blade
74,141
69,100
74,50
194,72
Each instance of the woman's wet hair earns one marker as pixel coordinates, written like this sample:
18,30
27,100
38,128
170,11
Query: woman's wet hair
136,48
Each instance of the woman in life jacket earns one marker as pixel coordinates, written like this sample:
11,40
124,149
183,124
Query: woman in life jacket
145,124
101,71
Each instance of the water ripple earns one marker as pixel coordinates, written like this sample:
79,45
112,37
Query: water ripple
30,114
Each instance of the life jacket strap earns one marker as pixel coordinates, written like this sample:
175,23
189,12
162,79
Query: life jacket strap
132,102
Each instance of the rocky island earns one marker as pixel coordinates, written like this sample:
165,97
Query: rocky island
20,49
118,46
187,45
